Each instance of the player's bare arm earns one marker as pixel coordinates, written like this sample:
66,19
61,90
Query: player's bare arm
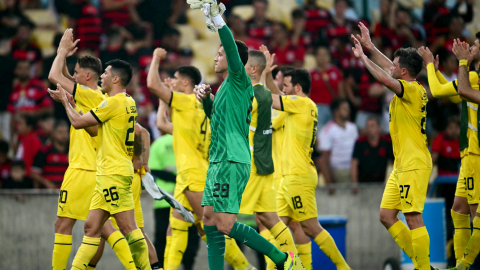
78,121
146,148
138,148
377,72
66,47
377,56
154,83
465,90
162,123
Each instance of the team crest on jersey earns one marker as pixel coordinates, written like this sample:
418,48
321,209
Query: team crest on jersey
293,97
103,104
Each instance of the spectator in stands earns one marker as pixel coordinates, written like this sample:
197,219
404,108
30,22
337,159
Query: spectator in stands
337,139
119,13
436,17
260,27
86,21
141,95
317,19
28,142
18,178
24,49
382,28
299,35
371,154
239,31
114,48
51,162
12,16
339,29
139,51
6,82
449,66
29,94
280,73
446,149
327,84
176,56
46,125
404,34
286,53
456,28
369,103
5,162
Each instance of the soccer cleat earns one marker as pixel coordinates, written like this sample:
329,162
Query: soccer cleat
250,267
289,262
159,194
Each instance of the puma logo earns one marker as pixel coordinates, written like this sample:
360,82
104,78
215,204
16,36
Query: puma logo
469,195
284,244
115,204
301,212
409,202
220,202
61,207
181,252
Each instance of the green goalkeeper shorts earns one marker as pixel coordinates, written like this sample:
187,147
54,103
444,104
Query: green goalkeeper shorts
224,186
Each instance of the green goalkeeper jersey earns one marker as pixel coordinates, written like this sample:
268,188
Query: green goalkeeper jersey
230,112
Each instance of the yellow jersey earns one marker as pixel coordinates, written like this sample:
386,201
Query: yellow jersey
82,146
116,133
191,133
278,137
300,135
407,117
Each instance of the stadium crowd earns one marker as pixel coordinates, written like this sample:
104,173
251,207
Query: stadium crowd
352,106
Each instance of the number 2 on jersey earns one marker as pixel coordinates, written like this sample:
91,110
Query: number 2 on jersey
129,142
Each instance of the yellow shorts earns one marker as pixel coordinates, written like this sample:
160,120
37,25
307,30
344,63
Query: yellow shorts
469,179
259,195
188,180
113,194
296,197
406,191
137,191
76,193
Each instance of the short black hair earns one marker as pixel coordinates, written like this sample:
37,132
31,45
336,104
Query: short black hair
410,59
242,51
121,69
302,77
262,60
192,73
92,63
30,121
298,13
283,26
4,146
336,103
18,163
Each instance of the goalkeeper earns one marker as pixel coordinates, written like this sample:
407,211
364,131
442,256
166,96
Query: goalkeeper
229,164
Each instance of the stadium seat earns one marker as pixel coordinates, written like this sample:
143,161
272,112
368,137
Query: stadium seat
187,34
196,19
281,10
204,51
44,40
244,11
41,17
309,62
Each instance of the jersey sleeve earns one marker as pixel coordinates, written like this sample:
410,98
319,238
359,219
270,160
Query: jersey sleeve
236,69
87,97
292,104
106,110
409,92
180,101
438,88
278,119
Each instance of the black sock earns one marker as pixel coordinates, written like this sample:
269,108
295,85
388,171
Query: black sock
155,266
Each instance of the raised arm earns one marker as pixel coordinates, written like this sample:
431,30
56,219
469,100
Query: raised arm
377,56
162,123
267,72
146,147
56,75
465,90
378,73
154,83
204,95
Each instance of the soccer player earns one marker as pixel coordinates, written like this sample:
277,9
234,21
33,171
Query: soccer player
191,140
296,194
229,165
466,200
469,92
261,187
116,146
406,188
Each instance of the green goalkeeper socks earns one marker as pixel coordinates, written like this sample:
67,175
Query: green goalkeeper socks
215,247
255,241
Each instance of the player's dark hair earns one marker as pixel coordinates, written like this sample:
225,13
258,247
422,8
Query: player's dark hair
298,13
336,103
260,59
60,123
4,147
302,77
192,73
121,69
30,121
374,118
410,59
92,63
285,69
321,47
242,51
18,163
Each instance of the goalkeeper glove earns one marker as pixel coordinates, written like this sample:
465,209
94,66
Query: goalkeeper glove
211,10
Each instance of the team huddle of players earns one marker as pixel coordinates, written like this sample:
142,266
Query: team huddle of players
246,150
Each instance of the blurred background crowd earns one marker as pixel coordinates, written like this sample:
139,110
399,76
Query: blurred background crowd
353,108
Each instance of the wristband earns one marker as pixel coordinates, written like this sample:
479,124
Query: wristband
463,62
218,20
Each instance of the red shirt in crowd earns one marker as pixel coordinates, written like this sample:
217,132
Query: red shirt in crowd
369,103
289,55
30,98
319,92
51,164
29,145
120,16
260,32
5,170
31,53
449,154
88,26
317,18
